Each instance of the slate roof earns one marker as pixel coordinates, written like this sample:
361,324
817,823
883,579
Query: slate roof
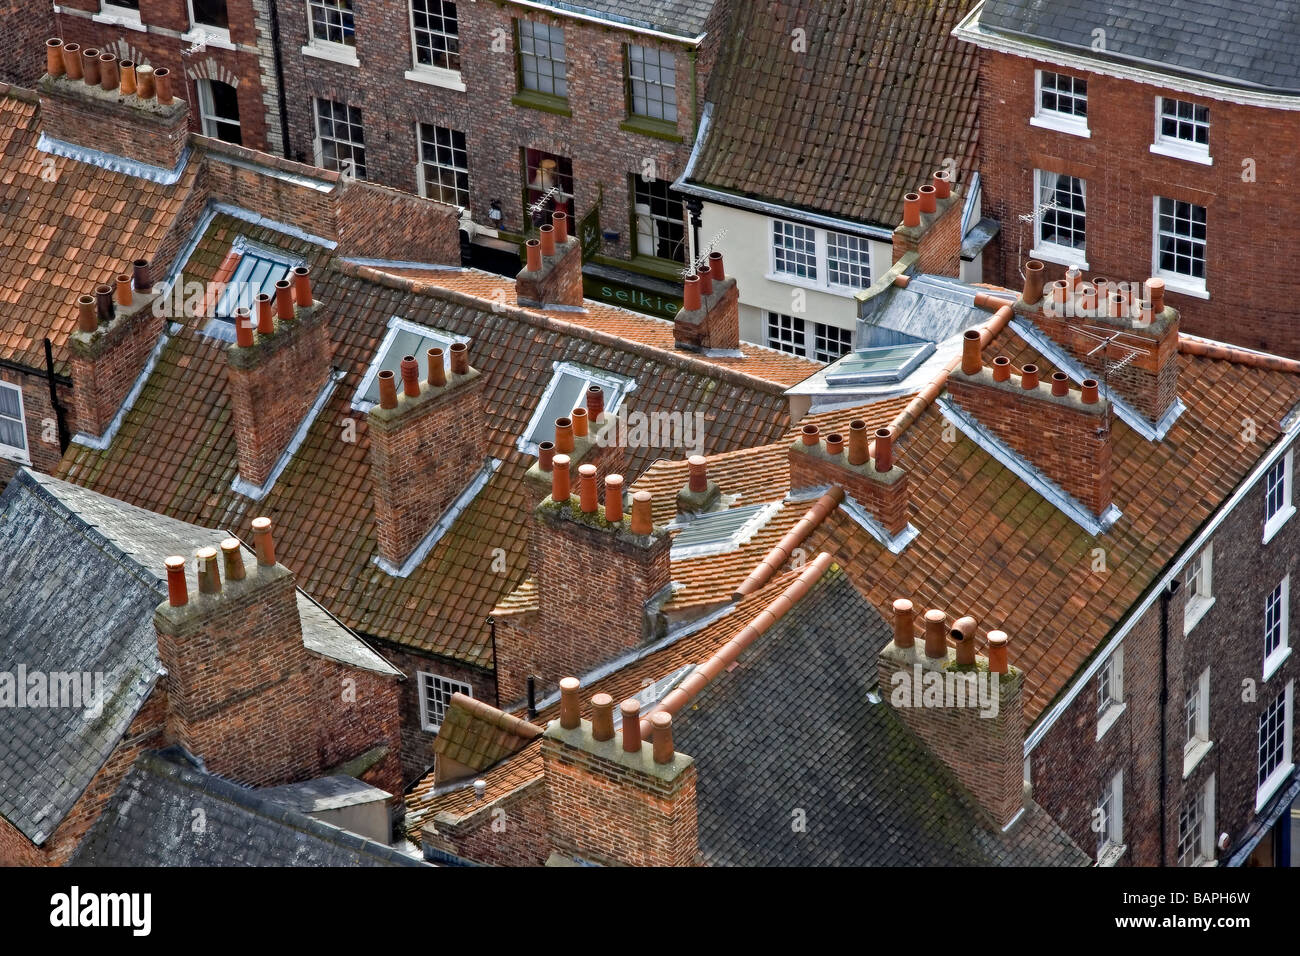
150,821
684,18
791,727
175,451
65,227
1219,40
881,96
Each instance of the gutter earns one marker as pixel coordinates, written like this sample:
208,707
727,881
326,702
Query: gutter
573,13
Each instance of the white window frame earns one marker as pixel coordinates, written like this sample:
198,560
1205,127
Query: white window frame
1175,146
1202,853
1198,742
1201,569
326,49
1274,522
1054,119
812,332
1052,251
1110,691
1283,770
821,334
1110,844
456,687
427,72
1177,281
318,139
821,259
617,388
119,16
421,161
207,109
9,452
396,325
214,35
1277,657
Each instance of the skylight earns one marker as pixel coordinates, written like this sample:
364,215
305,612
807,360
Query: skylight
403,338
721,531
568,390
877,366
259,269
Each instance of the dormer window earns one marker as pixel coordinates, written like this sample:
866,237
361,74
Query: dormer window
567,390
403,338
878,366
258,270
720,532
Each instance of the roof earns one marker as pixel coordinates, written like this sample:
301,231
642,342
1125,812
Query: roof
175,450
478,735
792,726
684,18
879,99
100,562
65,227
1204,39
150,822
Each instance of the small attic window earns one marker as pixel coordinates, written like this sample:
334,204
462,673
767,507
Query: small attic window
878,366
719,532
568,390
259,269
403,338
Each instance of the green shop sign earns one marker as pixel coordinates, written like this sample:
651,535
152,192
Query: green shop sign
627,296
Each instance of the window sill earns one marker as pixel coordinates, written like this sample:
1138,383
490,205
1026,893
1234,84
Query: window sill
335,54
545,102
1276,660
1180,151
435,76
1193,755
647,126
15,455
1196,610
1107,720
1061,256
130,19
841,291
1061,125
1274,524
1275,780
1111,854
209,37
1183,285
670,270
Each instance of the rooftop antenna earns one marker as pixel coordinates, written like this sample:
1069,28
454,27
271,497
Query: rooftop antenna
1107,339
1028,219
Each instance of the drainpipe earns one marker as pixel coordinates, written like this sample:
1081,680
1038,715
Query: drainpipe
1165,597
60,420
279,80
492,630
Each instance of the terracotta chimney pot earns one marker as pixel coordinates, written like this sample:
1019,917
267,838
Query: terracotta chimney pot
232,559
284,300
587,492
561,487
54,57
859,446
942,187
1033,291
265,317
1156,293
928,203
410,376
613,498
72,60
595,402
834,444
126,77
546,456
90,66
642,520
459,358
263,542
570,709
698,467
997,652
936,634
387,389
177,594
811,435
631,713
162,78
107,72
564,435
1090,391
243,328
580,420
302,286
1029,377
142,275
1060,384
602,717
533,249
561,223
1001,369
124,297
715,267
209,576
87,314
904,615
963,632
911,210
661,724
437,368
706,280
144,81
691,301
884,449
971,359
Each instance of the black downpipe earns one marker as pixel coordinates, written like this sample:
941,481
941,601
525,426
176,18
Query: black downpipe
1165,597
60,420
532,696
492,629
279,80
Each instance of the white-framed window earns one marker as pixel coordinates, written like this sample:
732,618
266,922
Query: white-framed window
1277,495
403,338
13,424
1061,102
1060,218
822,343
820,258
660,219
652,82
211,15
1110,691
1180,237
1196,827
566,391
1198,587
331,22
1109,820
1182,130
435,695
340,140
1277,614
444,164
542,58
219,110
435,35
1275,740
1196,722
127,10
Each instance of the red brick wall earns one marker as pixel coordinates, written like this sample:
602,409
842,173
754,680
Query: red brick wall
107,363
559,282
937,241
886,497
507,832
27,27
87,116
359,710
1250,224
42,428
719,325
415,229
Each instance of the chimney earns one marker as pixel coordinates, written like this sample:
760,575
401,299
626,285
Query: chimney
274,382
601,574
701,493
552,276
428,440
1062,431
865,469
588,435
966,708
613,798
116,332
709,318
931,227
1076,314
87,104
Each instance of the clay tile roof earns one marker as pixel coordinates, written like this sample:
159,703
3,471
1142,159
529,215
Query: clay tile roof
65,227
879,98
477,735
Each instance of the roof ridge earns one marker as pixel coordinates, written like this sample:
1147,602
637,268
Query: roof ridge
496,716
687,362
796,536
17,92
1202,347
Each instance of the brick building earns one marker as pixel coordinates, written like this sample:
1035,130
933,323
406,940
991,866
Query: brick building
510,110
1130,139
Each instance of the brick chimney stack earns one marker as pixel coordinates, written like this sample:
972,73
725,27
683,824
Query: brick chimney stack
552,276
88,101
1061,431
864,469
966,708
117,330
587,436
613,798
709,318
274,381
931,227
428,440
